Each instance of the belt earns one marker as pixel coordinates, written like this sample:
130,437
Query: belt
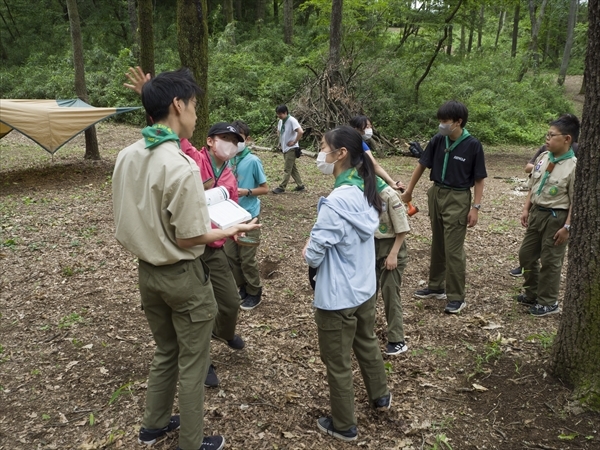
550,210
445,186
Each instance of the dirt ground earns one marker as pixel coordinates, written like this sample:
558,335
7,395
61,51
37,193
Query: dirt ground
75,348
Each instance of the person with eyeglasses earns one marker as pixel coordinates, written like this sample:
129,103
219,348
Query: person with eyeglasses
518,271
547,217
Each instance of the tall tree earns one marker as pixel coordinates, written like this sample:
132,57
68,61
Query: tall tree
288,21
576,348
260,10
133,26
146,30
500,27
515,31
276,10
533,54
480,26
562,73
228,10
335,35
91,140
192,42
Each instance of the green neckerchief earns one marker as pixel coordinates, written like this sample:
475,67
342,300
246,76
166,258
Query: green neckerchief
216,170
352,178
465,134
283,121
570,154
237,158
157,134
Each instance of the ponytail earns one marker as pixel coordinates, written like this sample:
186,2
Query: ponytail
367,171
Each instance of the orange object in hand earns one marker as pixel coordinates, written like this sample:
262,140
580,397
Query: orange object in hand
412,209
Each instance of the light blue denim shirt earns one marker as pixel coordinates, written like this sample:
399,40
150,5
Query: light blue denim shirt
342,247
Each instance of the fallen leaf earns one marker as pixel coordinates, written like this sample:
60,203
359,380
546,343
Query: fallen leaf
479,387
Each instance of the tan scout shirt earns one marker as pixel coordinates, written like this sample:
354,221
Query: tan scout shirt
393,219
558,189
158,197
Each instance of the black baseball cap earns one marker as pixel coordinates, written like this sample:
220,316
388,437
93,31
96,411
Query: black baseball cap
225,128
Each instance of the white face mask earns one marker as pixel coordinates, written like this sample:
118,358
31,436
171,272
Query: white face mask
241,147
445,129
224,150
325,167
368,134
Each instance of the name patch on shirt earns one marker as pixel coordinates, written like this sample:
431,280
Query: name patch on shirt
538,165
460,158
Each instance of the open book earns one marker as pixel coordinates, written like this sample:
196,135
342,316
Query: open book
223,211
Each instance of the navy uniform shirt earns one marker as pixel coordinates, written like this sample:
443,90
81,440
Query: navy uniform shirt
465,164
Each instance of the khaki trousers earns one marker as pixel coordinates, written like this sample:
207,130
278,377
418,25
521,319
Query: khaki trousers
290,169
448,211
180,308
538,244
339,332
244,265
389,281
225,290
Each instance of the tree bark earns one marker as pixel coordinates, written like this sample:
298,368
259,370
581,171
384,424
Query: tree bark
576,350
288,21
515,32
192,42
276,10
462,49
133,28
500,27
260,10
228,10
146,30
91,140
562,73
480,27
335,35
450,38
471,31
238,10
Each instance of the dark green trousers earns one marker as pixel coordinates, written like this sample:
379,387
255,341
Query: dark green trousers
244,265
339,332
180,307
389,281
448,211
290,169
538,244
225,289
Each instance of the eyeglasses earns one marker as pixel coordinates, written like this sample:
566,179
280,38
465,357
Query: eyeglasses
550,135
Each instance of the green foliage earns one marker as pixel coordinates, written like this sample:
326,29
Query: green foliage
69,321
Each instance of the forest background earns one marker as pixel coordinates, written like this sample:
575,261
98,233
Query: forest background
401,59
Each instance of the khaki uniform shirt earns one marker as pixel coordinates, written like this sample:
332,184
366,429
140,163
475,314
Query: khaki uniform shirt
393,219
158,197
558,189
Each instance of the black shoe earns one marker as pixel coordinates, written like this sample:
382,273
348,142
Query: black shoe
541,310
439,294
149,437
395,348
325,424
516,272
243,293
251,301
523,300
211,443
299,188
454,307
237,343
212,380
383,403
278,190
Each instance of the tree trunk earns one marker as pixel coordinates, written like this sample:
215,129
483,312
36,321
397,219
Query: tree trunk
288,21
192,42
515,32
533,53
335,36
562,73
576,348
133,28
228,10
480,27
91,141
471,31
260,10
276,10
463,46
450,37
582,90
146,30
500,27
238,10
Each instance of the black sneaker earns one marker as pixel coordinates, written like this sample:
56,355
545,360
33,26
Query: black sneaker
454,307
211,443
278,190
395,348
149,437
325,424
243,293
251,301
541,310
299,188
516,272
439,294
383,403
212,380
523,300
237,343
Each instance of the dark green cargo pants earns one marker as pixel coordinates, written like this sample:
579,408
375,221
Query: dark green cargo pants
290,168
244,265
180,307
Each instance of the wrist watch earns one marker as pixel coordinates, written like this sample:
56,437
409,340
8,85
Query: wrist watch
567,226
249,193
477,206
